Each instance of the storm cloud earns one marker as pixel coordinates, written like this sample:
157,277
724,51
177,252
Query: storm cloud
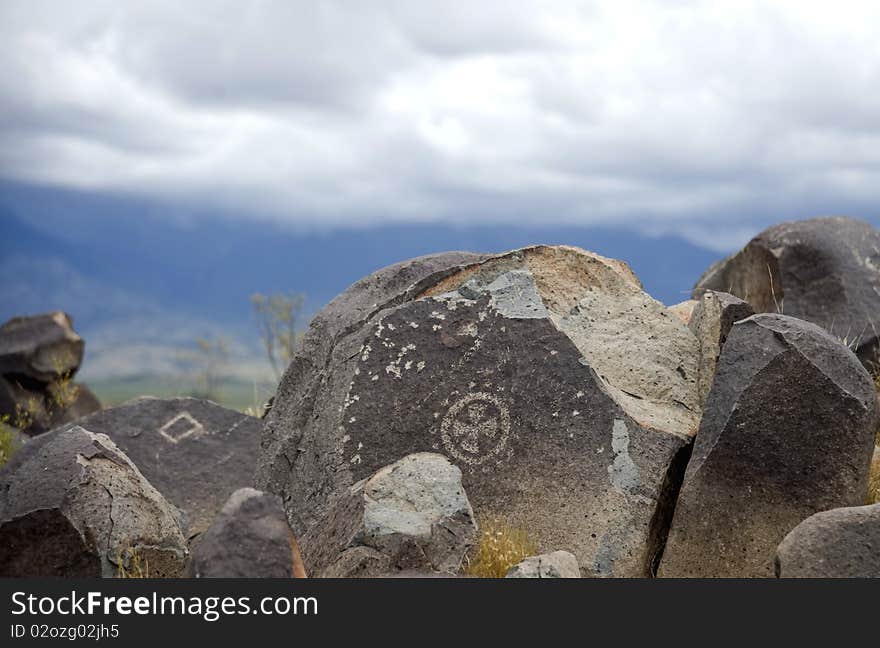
704,119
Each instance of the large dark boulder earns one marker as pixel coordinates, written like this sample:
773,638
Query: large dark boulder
39,356
195,452
73,505
841,543
249,538
564,393
823,270
788,430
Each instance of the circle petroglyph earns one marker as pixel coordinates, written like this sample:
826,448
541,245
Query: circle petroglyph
476,428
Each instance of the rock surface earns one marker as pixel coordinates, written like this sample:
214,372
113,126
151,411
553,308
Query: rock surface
73,505
249,538
39,356
559,564
788,431
714,315
411,515
42,347
193,451
566,395
841,543
823,270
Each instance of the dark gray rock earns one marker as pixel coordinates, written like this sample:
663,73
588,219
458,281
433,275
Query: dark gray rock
788,430
193,451
714,315
841,543
564,393
73,505
249,538
823,270
558,564
42,347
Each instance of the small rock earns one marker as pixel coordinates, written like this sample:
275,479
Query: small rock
841,543
249,538
413,513
559,564
193,451
73,505
714,315
788,430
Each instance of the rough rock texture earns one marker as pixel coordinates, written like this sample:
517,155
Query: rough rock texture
42,347
413,514
559,564
38,357
249,538
73,505
684,310
566,395
788,430
714,315
193,451
842,543
823,270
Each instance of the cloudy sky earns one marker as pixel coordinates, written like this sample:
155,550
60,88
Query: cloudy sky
704,119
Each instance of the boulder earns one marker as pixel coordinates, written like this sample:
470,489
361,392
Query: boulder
249,538
788,430
565,394
73,505
411,515
195,452
714,315
559,564
823,270
841,543
684,310
42,347
38,357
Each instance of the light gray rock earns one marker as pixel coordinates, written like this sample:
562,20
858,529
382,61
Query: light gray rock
823,270
565,394
841,543
559,564
413,514
195,452
249,538
73,505
714,315
788,431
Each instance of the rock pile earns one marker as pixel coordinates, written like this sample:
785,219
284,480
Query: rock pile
566,395
823,270
193,451
72,504
39,356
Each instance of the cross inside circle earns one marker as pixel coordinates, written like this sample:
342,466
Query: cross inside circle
476,428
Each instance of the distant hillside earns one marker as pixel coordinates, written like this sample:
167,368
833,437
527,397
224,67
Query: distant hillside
142,280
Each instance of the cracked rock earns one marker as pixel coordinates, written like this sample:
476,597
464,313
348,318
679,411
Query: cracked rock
559,564
823,270
73,505
411,515
195,452
841,543
788,430
565,394
249,538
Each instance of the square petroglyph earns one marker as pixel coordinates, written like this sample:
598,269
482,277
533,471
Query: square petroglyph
180,427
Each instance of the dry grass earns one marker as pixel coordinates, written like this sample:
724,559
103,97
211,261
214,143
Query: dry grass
501,547
8,445
874,481
131,565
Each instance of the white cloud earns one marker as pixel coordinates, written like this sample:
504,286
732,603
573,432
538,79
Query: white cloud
701,118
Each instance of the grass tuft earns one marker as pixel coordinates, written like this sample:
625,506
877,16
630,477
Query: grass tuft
874,480
8,443
501,547
131,565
